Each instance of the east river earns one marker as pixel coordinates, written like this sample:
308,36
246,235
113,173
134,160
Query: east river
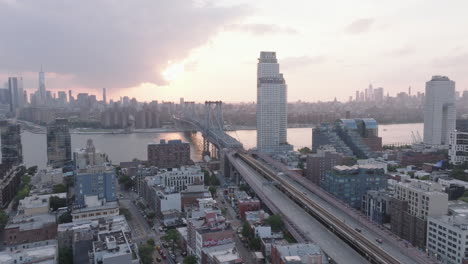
125,147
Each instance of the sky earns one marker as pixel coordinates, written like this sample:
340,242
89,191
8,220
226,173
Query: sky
207,50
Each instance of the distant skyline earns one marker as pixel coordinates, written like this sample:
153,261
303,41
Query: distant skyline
208,50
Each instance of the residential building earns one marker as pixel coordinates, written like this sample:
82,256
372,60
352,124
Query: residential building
321,162
161,199
271,106
412,203
297,254
30,228
180,178
115,248
48,177
44,252
246,205
376,206
85,157
95,210
193,194
351,183
439,111
37,204
58,143
10,180
447,235
458,147
172,154
100,184
12,150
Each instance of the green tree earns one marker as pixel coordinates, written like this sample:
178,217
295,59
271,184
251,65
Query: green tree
3,219
65,218
255,243
65,255
190,259
276,222
125,212
146,253
32,170
126,181
247,230
56,202
171,236
305,150
59,188
212,190
150,242
243,187
151,215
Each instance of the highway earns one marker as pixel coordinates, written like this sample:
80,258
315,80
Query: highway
313,230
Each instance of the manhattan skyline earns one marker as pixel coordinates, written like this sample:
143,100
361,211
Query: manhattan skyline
206,50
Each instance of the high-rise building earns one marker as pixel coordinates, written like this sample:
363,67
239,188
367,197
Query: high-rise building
12,150
15,87
42,98
102,184
62,98
58,143
271,105
172,154
458,147
104,97
439,110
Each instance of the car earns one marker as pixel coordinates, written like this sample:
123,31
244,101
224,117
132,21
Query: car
379,240
173,256
358,230
184,254
164,256
158,259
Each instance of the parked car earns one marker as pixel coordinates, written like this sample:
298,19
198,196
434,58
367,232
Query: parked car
379,240
357,229
158,259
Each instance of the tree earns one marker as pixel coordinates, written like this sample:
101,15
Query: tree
125,212
32,170
151,215
276,222
171,236
190,259
212,190
65,255
126,181
65,218
150,242
243,187
255,243
305,150
56,202
247,230
59,188
3,219
146,253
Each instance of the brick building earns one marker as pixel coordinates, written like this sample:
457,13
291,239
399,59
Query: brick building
172,154
247,205
318,164
27,229
10,180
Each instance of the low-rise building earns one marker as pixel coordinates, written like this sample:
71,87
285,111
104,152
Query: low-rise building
115,248
101,184
88,156
458,147
43,253
93,211
30,228
376,206
351,183
180,178
37,204
297,253
321,162
246,205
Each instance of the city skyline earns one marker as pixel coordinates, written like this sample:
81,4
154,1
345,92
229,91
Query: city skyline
342,51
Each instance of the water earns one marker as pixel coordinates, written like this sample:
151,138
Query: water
125,147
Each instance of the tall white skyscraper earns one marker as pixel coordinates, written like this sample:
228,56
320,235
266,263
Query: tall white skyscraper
439,110
271,106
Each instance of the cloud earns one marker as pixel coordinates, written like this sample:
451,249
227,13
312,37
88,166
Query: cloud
451,61
260,29
359,26
400,52
102,43
302,61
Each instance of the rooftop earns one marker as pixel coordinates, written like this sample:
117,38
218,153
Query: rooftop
30,222
43,254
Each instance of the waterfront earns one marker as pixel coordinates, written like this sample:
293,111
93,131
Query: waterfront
125,147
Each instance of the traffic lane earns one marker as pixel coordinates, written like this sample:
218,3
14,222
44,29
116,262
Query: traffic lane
337,249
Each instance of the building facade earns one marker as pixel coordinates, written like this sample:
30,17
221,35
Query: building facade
172,154
439,110
271,105
321,162
88,156
458,147
102,184
351,183
12,149
58,143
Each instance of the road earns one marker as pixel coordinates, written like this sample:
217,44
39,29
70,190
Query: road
338,250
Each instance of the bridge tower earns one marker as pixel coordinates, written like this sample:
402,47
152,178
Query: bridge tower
213,122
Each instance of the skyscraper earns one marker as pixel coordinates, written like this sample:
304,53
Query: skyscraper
12,150
15,87
42,98
104,97
271,106
439,110
58,143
